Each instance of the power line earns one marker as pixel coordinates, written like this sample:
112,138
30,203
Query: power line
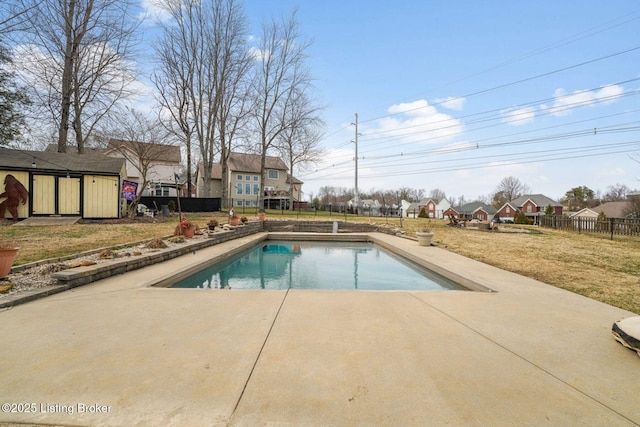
502,86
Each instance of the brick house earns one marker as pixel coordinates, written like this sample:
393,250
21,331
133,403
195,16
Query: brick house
470,211
532,205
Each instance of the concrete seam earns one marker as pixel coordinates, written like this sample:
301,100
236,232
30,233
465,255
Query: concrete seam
552,375
255,363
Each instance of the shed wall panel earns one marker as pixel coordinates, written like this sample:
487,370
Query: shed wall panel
44,195
23,178
101,197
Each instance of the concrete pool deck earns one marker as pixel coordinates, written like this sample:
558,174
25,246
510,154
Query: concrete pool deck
118,352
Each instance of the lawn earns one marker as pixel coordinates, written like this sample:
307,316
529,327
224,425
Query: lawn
587,264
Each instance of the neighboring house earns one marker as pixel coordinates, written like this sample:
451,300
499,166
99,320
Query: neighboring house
613,209
434,208
366,206
66,184
583,219
470,211
162,162
404,207
244,182
584,213
507,212
532,205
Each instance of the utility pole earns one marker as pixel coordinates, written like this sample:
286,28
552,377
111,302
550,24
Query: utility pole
356,141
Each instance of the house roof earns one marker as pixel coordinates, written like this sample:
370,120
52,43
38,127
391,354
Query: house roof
293,180
474,206
59,162
539,199
612,209
586,212
154,151
243,162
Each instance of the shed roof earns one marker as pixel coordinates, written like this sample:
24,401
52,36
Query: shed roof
46,161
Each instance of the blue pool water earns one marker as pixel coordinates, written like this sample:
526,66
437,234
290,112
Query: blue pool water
317,265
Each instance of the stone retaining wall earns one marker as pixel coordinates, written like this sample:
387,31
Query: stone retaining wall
324,227
82,275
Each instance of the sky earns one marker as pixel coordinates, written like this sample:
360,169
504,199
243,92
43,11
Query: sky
457,96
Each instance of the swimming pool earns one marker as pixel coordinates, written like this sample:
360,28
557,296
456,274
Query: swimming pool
317,265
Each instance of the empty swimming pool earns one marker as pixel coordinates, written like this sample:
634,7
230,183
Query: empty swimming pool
317,265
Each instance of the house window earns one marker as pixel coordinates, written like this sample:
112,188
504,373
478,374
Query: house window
481,217
256,178
256,189
239,188
247,178
508,210
239,203
247,188
254,203
239,177
273,174
529,208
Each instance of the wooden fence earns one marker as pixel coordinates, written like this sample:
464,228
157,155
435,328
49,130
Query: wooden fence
611,226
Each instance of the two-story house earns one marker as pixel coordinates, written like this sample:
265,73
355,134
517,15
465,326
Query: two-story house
434,208
532,205
159,162
244,179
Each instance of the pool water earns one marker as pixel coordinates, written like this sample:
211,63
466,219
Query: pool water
317,265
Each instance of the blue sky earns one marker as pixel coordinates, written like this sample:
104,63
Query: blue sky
459,95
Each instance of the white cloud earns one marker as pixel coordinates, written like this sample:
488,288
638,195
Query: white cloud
258,54
564,103
415,122
452,103
518,116
153,10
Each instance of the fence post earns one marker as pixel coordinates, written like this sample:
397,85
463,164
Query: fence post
612,225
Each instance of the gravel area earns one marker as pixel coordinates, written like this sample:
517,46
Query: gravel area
39,276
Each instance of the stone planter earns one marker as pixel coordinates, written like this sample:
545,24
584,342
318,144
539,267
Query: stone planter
234,220
424,238
262,216
7,255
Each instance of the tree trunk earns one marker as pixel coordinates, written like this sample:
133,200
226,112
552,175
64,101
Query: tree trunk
67,73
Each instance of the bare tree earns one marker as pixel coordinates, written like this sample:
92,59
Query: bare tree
509,188
616,193
137,140
203,62
437,194
280,76
299,141
79,65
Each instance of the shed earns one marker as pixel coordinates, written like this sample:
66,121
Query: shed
65,184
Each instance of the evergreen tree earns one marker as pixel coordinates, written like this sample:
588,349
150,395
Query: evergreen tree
13,100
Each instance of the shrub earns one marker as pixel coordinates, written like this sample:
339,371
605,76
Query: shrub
423,214
521,218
